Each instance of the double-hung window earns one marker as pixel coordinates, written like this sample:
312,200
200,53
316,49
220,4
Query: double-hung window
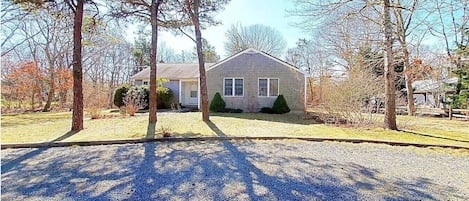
233,86
268,87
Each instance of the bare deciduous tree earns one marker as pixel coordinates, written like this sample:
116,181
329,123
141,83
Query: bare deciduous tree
258,36
316,13
308,55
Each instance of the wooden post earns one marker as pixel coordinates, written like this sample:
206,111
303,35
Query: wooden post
450,112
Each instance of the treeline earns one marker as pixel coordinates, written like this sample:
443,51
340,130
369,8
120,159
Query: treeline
357,46
37,58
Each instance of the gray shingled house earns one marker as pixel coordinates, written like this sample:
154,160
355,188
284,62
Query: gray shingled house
248,80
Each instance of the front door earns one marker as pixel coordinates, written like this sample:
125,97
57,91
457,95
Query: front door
191,93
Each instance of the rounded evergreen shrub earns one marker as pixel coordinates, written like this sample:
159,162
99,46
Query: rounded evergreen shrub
280,105
120,94
164,97
217,104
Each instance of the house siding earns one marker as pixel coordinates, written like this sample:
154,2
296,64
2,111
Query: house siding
251,66
174,86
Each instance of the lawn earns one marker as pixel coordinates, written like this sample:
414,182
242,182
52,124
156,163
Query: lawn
40,127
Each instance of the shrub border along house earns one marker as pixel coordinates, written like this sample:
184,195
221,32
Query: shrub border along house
280,106
219,105
165,96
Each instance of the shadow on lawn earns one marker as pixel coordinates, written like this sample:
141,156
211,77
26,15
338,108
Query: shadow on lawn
282,118
203,170
65,136
433,136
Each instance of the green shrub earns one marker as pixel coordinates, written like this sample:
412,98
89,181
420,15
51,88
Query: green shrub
231,110
267,110
217,104
280,105
461,100
138,92
164,97
120,94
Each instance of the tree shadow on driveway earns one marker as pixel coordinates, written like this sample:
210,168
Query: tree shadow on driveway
264,186
279,185
208,170
9,164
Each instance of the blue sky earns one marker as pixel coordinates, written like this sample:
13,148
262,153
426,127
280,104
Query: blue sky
247,12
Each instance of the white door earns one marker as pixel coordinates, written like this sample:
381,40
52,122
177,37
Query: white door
191,93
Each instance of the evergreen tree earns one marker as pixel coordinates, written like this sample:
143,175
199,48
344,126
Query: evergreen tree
280,105
217,104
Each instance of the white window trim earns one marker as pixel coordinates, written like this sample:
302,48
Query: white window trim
268,86
233,86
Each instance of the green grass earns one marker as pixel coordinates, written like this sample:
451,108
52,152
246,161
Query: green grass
438,127
12,120
39,127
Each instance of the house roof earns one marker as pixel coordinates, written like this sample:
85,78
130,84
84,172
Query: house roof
172,71
254,51
422,86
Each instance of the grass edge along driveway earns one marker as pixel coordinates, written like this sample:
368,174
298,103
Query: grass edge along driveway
43,127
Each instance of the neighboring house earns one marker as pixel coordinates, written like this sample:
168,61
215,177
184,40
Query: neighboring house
431,93
248,80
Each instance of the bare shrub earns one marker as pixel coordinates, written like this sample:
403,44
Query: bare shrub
165,131
95,99
134,100
123,111
353,99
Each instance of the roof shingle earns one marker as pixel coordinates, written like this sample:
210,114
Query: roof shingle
172,71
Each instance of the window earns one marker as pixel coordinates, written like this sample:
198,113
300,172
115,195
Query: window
239,87
193,90
268,86
233,87
145,82
263,87
273,87
228,87
193,94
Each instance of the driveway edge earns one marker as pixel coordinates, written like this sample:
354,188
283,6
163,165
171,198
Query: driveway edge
223,138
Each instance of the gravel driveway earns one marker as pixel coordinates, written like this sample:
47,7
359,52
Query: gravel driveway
234,170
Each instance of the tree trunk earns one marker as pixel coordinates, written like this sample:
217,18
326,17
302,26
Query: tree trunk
63,97
311,89
50,96
389,88
111,90
77,117
402,30
408,81
32,100
152,118
203,78
194,13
